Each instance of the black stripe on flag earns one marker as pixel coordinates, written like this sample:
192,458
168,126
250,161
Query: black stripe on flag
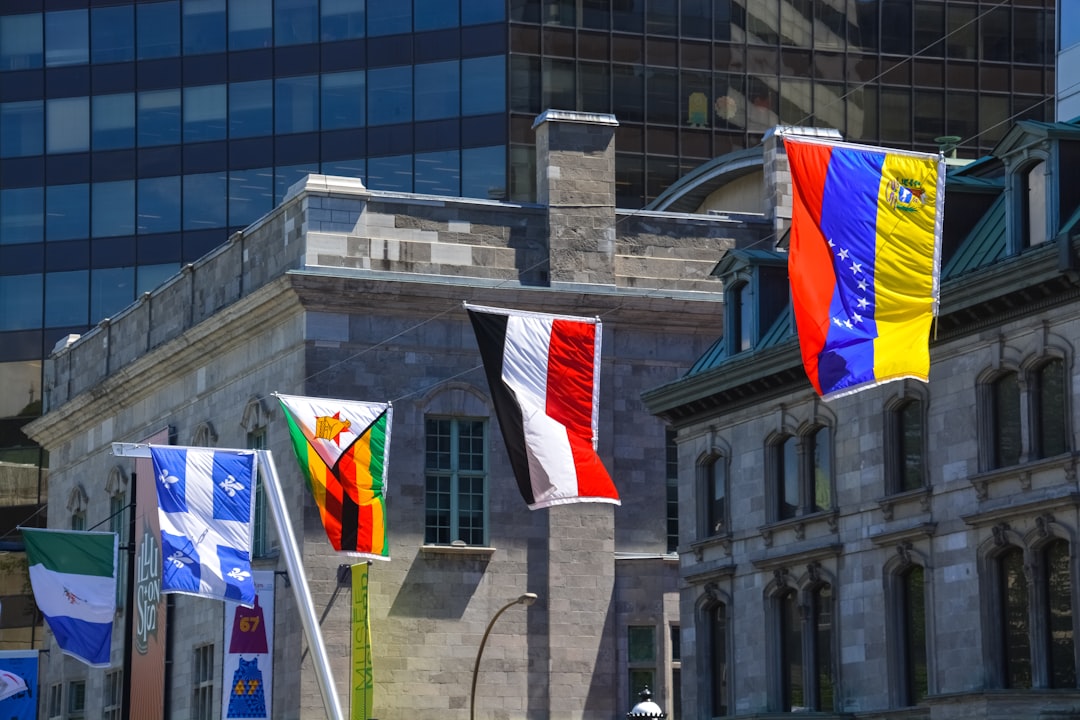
490,329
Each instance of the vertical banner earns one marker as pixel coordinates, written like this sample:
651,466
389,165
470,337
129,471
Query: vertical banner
363,685
148,614
18,684
247,664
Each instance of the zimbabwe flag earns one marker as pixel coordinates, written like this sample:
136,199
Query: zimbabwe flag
342,447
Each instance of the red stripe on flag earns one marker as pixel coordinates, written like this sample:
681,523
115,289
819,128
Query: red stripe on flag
571,358
810,266
593,480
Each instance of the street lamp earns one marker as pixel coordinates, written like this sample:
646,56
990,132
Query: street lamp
526,600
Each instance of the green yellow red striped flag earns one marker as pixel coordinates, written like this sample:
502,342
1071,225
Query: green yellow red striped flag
342,447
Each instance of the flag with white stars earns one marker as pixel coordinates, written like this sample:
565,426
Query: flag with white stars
206,505
864,261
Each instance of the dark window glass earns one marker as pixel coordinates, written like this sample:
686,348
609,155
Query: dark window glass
662,17
896,27
435,14
641,643
296,104
896,115
1059,615
437,88
929,29
1050,438
112,208
67,297
629,16
796,22
483,85
158,27
438,173
67,212
250,23
763,109
159,118
961,39
250,106
158,205
629,181
112,121
390,173
825,691
251,195
479,12
716,496
821,447
594,87
342,19
525,84
343,96
67,38
286,177
296,21
791,653
22,215
204,201
863,27
696,18
718,670
388,17
67,127
22,128
205,109
994,34
204,26
787,478
455,481
909,445
20,296
112,34
1006,420
742,316
662,98
111,290
1016,643
762,21
20,42
148,277
483,172
390,93
913,612
558,85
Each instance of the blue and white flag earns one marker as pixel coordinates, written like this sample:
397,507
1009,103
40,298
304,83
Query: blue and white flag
206,503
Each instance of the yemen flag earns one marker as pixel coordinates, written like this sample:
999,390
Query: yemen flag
343,447
73,575
543,374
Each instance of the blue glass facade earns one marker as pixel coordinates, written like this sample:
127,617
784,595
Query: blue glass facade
135,136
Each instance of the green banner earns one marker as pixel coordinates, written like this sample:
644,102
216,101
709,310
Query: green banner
363,687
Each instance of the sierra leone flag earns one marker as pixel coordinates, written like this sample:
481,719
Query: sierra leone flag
73,575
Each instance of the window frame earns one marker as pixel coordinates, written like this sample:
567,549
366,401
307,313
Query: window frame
714,598
76,700
455,476
202,682
897,468
712,470
671,489
1037,408
907,559
113,698
785,448
807,610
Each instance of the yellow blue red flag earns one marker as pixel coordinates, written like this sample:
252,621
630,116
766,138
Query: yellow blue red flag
864,261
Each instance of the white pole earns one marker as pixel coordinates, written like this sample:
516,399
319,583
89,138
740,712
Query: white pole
298,580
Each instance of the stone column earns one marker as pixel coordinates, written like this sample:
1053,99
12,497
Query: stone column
575,179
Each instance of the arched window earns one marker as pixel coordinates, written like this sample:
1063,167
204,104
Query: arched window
714,491
1015,619
1060,640
905,446
791,653
718,659
1005,420
1048,409
820,617
786,477
911,591
1035,203
801,473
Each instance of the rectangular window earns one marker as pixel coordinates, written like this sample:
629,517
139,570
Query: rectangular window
56,707
202,678
76,700
1006,420
1015,619
114,692
118,523
791,663
78,521
914,636
718,670
1049,414
455,462
641,660
907,436
787,477
671,488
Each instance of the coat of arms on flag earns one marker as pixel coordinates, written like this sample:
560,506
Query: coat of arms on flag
343,447
543,372
73,575
206,503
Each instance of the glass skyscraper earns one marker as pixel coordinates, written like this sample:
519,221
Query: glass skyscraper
135,136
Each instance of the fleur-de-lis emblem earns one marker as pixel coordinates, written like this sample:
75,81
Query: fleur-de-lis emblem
179,559
168,480
238,574
230,485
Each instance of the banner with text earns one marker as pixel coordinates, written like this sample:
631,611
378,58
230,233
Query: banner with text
363,685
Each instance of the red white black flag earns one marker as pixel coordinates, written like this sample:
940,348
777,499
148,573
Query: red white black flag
543,374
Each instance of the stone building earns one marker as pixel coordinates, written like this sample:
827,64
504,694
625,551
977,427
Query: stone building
350,293
910,550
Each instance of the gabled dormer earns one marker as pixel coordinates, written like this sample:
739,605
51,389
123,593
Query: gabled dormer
755,294
1042,181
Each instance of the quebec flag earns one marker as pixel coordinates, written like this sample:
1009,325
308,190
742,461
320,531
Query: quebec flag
206,503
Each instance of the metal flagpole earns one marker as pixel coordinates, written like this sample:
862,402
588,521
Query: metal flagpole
297,578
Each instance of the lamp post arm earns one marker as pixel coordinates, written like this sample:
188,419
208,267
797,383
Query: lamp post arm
480,652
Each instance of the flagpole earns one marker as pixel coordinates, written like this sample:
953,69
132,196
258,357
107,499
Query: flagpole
129,602
298,580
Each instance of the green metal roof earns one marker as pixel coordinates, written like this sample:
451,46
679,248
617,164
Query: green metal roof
984,245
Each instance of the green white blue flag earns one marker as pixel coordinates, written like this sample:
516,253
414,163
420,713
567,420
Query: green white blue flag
73,575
